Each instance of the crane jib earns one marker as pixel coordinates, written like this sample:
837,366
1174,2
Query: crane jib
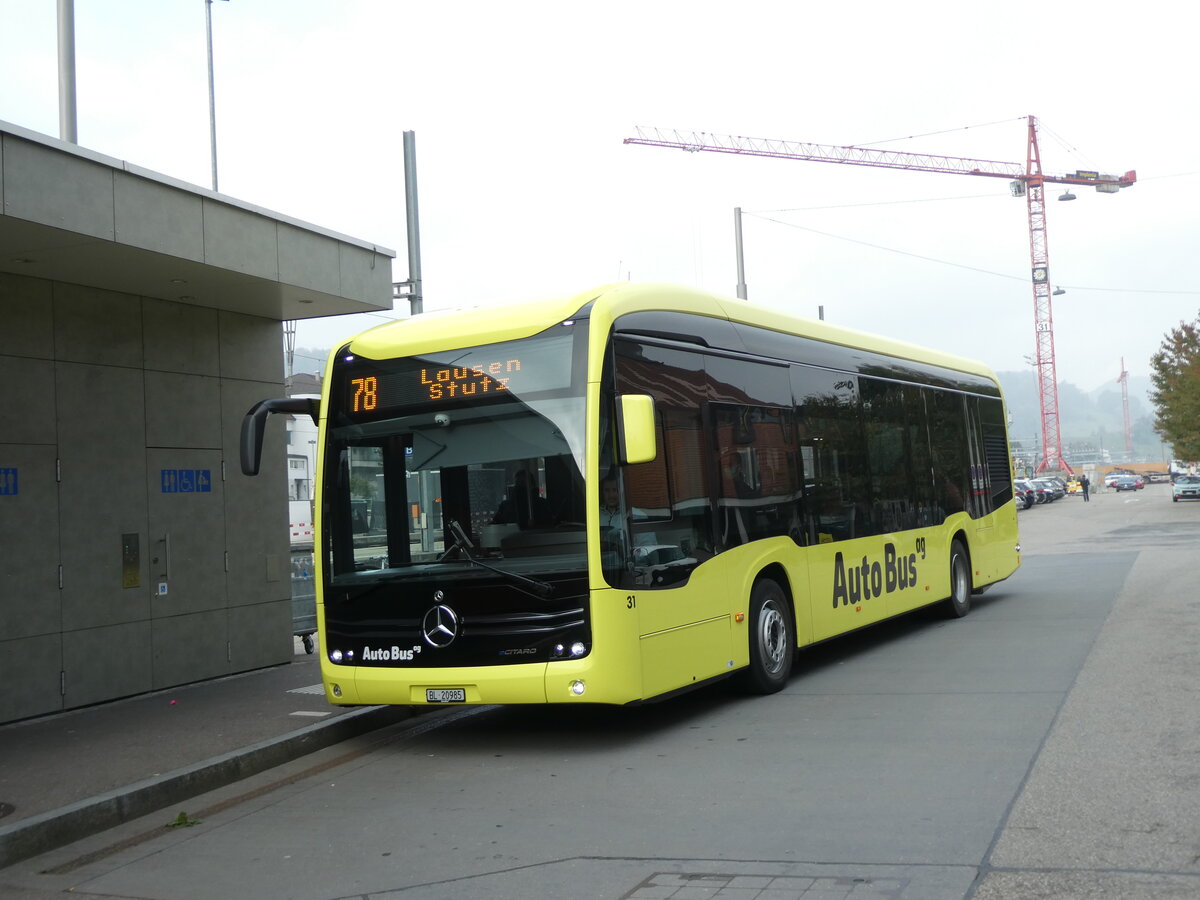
1027,181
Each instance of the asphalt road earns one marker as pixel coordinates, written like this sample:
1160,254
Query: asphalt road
1048,745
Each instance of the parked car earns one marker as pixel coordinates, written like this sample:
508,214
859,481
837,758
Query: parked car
1025,493
1051,488
1186,487
1155,477
1112,476
1060,483
1127,483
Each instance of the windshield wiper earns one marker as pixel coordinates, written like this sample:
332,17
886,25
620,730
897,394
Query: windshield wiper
540,589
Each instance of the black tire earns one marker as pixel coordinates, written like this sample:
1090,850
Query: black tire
772,639
958,604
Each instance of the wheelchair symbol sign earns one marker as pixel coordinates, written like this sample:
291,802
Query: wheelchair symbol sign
186,481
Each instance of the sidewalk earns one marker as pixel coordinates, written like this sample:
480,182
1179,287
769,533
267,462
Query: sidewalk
65,776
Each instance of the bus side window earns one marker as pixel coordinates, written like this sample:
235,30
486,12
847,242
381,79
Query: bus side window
754,446
897,453
829,422
948,433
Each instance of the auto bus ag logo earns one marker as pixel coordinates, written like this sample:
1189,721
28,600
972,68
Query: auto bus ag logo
862,581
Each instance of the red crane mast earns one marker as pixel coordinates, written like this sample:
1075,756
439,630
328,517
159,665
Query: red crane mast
1027,180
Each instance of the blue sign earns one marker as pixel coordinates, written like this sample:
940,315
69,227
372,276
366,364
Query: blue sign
186,481
8,483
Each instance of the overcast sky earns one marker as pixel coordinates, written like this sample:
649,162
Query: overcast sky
526,189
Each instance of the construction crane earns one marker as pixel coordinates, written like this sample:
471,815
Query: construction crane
1027,180
1123,380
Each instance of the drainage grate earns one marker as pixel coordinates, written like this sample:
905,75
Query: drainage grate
680,885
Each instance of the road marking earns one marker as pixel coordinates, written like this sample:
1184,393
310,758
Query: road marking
311,689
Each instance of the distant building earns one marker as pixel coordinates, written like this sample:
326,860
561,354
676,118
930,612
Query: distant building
301,464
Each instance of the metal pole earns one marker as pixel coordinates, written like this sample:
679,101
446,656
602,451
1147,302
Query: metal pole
212,97
414,235
68,127
741,262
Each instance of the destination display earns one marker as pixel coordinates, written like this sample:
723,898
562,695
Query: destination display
486,373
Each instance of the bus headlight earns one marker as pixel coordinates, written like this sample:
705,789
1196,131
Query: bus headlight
335,656
578,649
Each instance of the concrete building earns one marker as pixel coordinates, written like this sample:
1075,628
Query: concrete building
139,320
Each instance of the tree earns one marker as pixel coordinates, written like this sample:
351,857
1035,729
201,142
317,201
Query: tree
1175,374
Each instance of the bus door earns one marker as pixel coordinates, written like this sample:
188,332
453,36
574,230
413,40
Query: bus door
681,592
841,518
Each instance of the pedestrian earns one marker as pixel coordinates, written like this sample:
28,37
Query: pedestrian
1085,485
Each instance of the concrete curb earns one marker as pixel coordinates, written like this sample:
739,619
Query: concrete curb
48,831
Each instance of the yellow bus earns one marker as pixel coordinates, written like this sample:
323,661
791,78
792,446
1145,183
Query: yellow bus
635,491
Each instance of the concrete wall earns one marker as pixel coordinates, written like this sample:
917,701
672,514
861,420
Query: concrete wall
120,416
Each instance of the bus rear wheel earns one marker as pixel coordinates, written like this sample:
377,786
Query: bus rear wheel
958,604
772,639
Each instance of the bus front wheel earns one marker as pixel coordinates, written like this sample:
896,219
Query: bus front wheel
958,604
772,640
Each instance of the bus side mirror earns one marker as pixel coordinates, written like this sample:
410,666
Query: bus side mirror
635,428
255,421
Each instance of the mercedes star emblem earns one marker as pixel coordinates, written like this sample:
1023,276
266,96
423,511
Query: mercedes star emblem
440,626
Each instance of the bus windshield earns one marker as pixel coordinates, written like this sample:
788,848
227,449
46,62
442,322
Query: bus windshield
459,458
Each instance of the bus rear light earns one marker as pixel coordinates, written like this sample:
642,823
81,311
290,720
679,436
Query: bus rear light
577,688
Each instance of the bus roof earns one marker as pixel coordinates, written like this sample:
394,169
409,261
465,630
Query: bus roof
446,329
